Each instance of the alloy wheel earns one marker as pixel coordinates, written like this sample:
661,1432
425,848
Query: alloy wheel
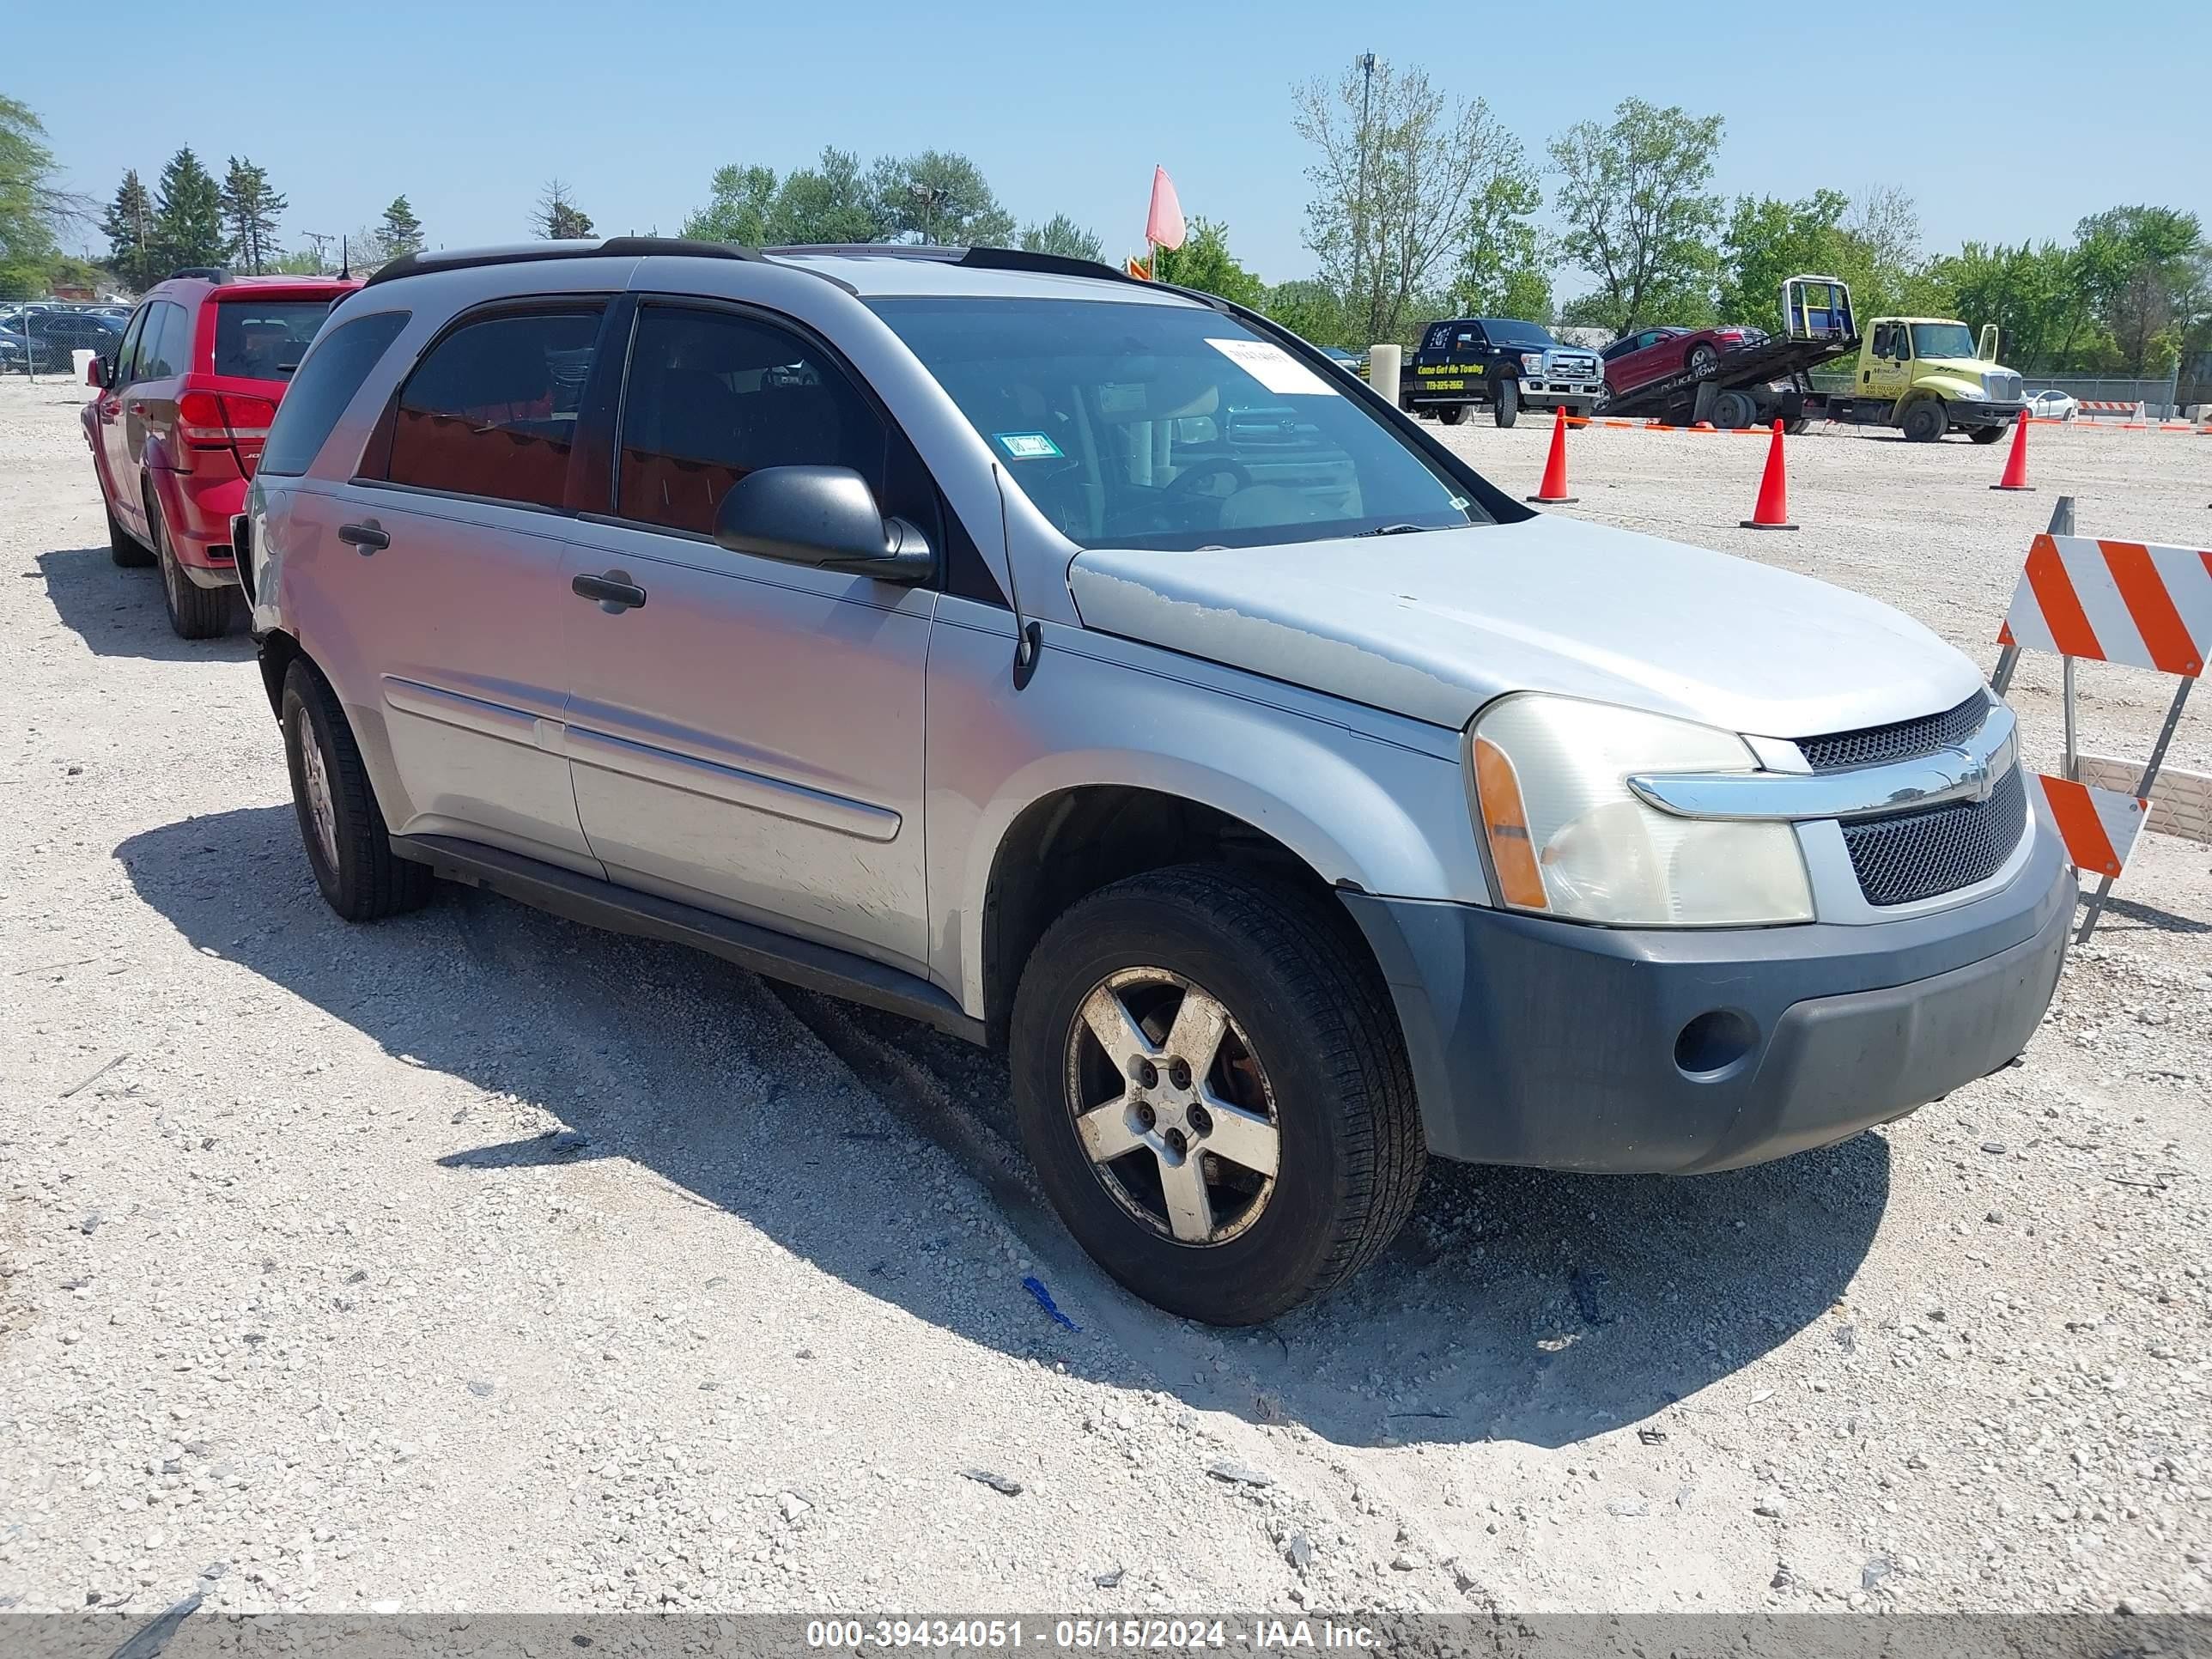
1172,1107
315,778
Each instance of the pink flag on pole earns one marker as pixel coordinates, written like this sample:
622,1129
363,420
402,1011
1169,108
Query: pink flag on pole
1164,225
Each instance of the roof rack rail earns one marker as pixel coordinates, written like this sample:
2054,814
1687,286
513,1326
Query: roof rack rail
611,247
1045,265
205,273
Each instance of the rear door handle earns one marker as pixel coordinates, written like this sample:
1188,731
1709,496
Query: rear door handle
614,590
369,537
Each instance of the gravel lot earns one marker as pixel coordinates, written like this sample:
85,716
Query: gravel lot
477,1260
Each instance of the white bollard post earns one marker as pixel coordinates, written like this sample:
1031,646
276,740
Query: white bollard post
1383,364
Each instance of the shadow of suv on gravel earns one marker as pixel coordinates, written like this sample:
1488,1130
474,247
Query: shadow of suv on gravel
1090,667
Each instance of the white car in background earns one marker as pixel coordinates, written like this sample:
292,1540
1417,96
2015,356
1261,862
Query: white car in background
2052,405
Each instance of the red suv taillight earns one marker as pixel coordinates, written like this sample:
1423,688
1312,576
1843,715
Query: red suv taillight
210,420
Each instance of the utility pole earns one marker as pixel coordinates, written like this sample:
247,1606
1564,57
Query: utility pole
321,239
929,196
1366,62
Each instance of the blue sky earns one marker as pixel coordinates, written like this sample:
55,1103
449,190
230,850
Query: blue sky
2050,110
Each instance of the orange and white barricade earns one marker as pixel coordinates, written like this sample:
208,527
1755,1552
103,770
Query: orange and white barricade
2148,606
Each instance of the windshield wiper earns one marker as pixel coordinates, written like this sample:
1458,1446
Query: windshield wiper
1398,529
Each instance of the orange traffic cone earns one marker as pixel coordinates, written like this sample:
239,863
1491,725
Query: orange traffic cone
1772,512
1553,492
2015,472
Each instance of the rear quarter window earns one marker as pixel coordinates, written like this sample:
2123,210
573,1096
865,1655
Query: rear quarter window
322,388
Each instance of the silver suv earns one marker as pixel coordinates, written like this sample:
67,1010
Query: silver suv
1090,667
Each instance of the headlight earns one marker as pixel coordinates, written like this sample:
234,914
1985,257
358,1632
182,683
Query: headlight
1567,837
1532,362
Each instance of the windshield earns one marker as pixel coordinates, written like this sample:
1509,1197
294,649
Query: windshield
265,339
1506,331
1170,426
1942,340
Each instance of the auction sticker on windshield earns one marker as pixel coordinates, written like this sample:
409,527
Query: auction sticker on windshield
1027,445
1274,369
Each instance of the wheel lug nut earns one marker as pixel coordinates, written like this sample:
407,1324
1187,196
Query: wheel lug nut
1179,1074
1148,1075
1145,1116
1176,1144
1199,1119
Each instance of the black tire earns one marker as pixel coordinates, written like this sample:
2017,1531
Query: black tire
195,612
1734,410
1925,421
1452,414
1986,435
124,548
1703,359
365,880
1312,1018
1506,409
1799,427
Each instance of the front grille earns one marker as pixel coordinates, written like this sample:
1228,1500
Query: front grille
1874,745
1939,849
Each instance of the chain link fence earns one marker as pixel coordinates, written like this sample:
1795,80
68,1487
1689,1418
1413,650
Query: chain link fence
42,337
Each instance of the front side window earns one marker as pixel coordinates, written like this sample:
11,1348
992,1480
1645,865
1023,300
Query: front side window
126,368
491,409
714,395
264,340
324,386
1170,426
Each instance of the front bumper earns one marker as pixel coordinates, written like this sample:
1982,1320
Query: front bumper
1565,1046
1560,391
1960,412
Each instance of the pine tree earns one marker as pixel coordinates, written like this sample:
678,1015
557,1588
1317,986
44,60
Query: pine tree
559,218
402,231
250,209
128,225
187,216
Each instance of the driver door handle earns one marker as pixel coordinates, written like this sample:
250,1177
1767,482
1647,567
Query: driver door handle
615,591
369,536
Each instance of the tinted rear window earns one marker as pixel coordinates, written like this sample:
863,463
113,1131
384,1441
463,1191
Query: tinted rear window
491,409
265,339
322,389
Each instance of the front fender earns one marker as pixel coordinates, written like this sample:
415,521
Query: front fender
1357,807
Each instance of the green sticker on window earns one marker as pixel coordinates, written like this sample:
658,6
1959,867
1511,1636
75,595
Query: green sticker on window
1027,445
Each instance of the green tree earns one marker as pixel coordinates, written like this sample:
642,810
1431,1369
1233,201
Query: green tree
1205,263
1062,235
1769,240
250,210
2033,295
937,197
1313,310
305,261
1400,167
739,200
33,205
401,231
188,218
2148,274
1503,270
830,202
128,224
1633,194
557,218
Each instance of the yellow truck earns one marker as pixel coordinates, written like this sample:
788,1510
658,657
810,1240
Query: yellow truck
1928,376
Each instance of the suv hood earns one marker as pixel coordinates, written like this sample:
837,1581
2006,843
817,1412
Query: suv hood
1433,625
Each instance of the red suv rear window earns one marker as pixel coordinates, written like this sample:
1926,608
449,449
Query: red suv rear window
265,339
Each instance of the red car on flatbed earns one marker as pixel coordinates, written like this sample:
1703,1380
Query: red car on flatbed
1652,354
185,403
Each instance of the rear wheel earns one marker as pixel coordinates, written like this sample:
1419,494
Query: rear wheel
1734,410
1507,408
195,612
1986,435
1452,414
1925,421
348,845
1210,1082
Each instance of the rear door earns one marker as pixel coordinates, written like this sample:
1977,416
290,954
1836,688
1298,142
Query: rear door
749,738
449,581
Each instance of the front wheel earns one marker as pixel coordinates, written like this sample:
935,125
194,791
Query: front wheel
1987,434
1209,1080
1507,408
1925,421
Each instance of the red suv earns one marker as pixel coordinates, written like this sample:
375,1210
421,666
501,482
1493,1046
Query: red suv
184,403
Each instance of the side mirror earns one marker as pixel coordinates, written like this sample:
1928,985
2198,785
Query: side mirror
95,373
824,516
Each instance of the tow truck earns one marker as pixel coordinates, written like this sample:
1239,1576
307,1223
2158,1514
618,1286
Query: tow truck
1922,375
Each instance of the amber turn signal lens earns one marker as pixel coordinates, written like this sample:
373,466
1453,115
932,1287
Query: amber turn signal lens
1505,827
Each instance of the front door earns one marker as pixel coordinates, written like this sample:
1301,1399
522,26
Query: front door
748,739
1888,368
107,411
